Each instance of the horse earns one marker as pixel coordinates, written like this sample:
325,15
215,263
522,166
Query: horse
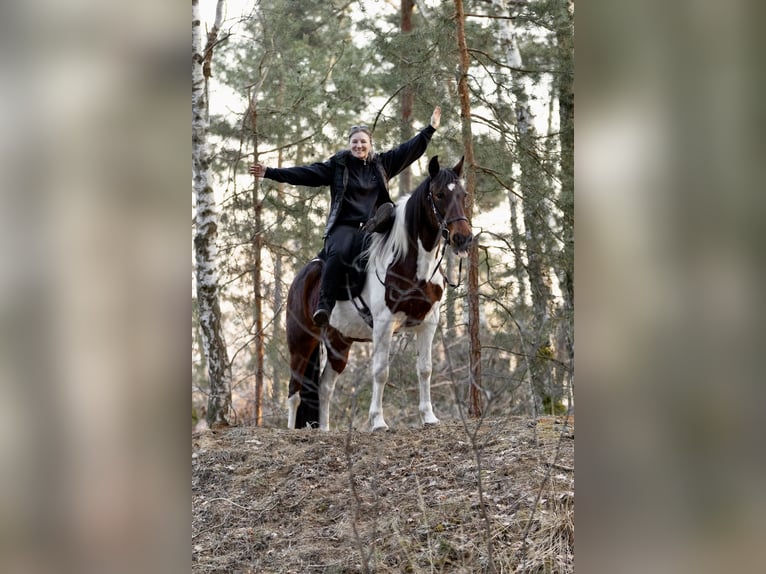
402,287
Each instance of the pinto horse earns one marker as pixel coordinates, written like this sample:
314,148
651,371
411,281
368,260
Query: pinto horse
402,289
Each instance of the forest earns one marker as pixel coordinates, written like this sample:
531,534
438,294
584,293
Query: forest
280,84
491,488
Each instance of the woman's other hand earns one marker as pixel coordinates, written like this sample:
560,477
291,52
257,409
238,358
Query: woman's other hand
258,170
436,117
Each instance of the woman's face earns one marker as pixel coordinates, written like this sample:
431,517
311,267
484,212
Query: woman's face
360,145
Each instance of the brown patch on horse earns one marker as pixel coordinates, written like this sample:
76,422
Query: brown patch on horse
338,347
407,294
302,335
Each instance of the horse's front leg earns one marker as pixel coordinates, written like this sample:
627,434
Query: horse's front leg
293,402
381,344
424,339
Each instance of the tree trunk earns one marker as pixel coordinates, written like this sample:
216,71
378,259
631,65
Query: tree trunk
257,243
199,370
451,299
278,332
206,228
473,257
407,98
533,186
565,89
518,267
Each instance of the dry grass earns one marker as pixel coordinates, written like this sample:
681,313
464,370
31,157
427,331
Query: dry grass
271,500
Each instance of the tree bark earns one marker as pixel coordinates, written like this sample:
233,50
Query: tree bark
518,268
206,227
535,213
406,99
565,89
278,332
257,244
473,257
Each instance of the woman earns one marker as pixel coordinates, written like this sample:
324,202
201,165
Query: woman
358,180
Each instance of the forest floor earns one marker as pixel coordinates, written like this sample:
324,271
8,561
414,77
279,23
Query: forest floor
269,500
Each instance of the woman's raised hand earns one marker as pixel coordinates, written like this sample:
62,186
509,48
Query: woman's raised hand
258,170
436,117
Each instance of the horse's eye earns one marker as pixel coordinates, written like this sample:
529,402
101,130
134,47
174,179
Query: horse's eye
439,195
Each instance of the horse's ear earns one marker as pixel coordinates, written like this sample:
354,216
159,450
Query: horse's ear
433,166
459,167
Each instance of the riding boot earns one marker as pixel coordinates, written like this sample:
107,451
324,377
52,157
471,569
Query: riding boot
321,316
327,290
382,220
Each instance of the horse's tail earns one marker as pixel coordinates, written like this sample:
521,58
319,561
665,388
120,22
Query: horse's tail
308,410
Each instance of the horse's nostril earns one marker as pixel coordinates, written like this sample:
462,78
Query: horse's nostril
460,240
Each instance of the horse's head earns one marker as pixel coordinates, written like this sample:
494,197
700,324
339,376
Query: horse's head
447,196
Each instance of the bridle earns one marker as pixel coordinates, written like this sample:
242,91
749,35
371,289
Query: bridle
444,228
443,223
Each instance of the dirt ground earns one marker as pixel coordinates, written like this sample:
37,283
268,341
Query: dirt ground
269,500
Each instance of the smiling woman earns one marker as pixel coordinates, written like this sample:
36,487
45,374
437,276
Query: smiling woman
360,141
358,179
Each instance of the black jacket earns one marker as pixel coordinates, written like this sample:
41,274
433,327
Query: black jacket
337,172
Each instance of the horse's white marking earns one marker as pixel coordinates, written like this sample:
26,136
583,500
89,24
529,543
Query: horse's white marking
292,409
424,339
451,186
326,389
347,320
427,262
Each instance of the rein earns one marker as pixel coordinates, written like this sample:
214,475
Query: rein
438,268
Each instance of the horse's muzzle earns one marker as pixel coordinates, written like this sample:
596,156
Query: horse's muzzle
461,242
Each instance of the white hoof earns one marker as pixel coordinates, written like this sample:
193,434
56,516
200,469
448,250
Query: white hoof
378,423
428,418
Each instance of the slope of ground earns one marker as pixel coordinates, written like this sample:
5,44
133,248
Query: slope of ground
408,500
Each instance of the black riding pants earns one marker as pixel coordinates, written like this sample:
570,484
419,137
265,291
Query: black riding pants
339,254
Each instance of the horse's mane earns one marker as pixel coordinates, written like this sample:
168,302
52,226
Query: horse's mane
386,248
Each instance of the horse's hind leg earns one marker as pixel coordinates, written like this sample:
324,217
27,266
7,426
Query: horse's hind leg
297,367
302,341
304,374
424,340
